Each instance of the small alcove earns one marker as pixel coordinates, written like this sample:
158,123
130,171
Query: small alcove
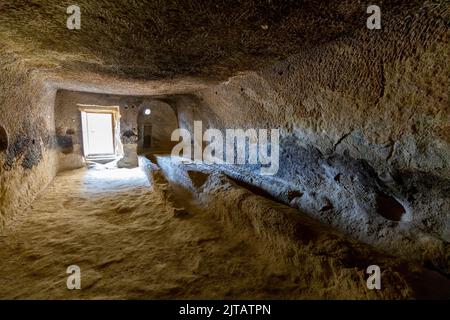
3,139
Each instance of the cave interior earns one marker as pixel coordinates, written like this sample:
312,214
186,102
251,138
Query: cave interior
88,176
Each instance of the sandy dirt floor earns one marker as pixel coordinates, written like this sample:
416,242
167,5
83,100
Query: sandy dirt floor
129,245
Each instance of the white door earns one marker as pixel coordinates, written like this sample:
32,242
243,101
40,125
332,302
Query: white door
99,134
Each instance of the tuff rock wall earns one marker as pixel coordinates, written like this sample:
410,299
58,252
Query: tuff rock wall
364,123
28,156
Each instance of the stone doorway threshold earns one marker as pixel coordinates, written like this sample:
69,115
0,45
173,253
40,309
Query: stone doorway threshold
102,159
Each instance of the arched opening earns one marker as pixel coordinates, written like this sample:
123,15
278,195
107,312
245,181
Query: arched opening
156,122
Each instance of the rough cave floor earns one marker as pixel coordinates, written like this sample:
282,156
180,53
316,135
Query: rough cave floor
129,245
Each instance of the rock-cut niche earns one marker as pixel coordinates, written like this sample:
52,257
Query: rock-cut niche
3,139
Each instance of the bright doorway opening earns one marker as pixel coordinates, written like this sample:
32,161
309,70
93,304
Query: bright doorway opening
99,126
100,134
